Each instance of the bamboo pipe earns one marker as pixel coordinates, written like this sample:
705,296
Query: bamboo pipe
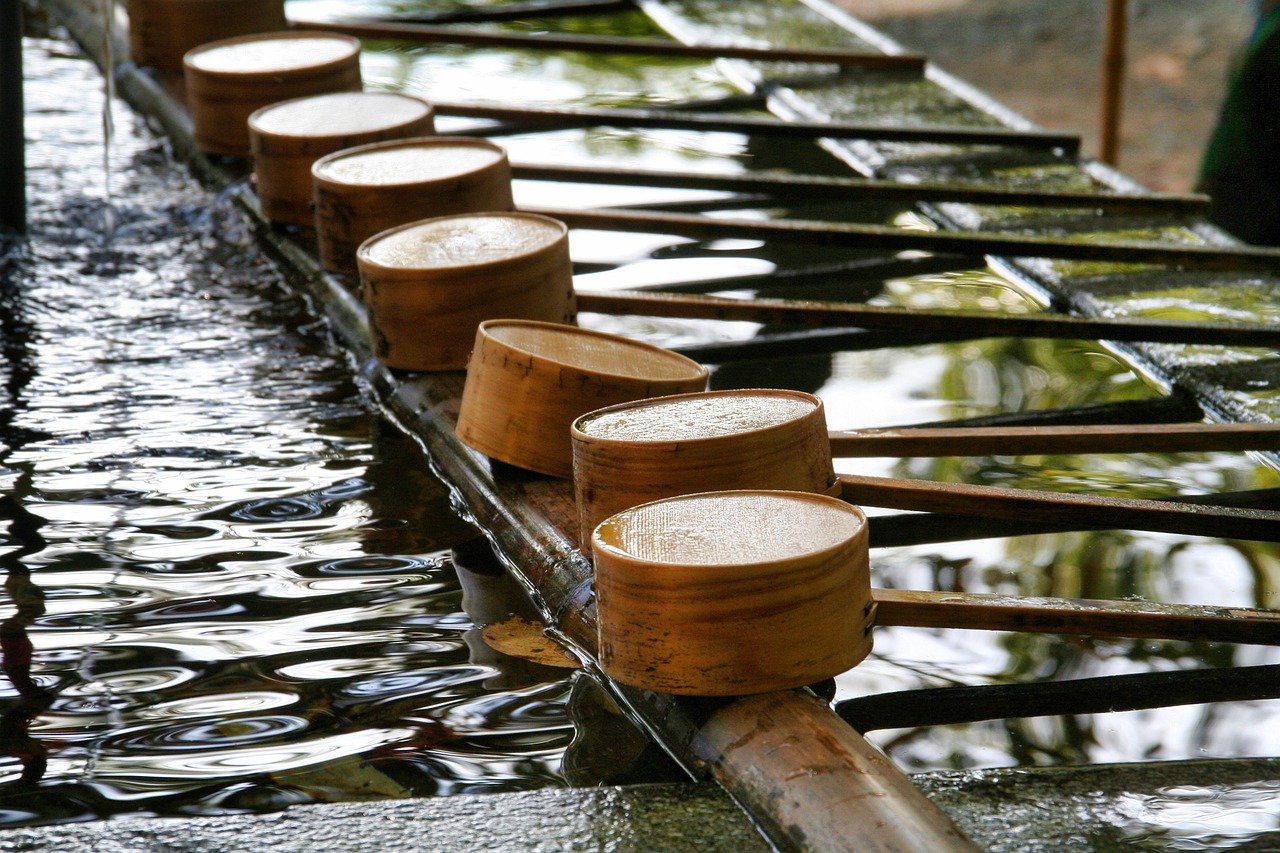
970,324
1084,512
425,33
1076,616
951,705
1068,144
812,187
1018,441
890,239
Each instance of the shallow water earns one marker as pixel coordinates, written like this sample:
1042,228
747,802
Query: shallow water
243,596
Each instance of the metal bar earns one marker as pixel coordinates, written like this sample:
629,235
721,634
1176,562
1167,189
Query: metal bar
374,29
1085,617
954,323
1093,438
890,239
1067,144
1083,512
511,12
13,170
939,706
1113,62
816,187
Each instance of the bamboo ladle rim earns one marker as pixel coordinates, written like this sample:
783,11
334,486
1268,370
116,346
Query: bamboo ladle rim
487,266
429,141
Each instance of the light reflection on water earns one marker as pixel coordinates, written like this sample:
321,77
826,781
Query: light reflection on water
245,598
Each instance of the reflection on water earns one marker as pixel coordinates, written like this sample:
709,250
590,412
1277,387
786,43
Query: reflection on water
246,591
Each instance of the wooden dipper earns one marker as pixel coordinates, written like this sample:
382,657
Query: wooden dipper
288,137
527,382
362,191
751,439
162,31
736,592
429,285
230,79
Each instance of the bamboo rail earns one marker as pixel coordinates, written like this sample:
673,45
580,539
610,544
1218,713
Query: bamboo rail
818,187
1018,441
954,324
1067,144
426,33
1083,512
889,239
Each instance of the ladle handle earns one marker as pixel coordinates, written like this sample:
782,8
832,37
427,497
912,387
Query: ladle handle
1021,440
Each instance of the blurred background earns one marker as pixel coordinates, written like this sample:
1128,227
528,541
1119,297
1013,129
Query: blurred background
1043,58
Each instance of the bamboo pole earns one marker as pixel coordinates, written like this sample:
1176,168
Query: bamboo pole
819,187
1113,62
425,33
890,239
1143,619
1018,441
1084,512
1067,144
970,324
952,705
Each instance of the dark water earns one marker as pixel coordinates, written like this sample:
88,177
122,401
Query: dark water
232,586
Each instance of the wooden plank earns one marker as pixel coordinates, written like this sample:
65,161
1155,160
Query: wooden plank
428,34
1076,616
1066,144
952,705
889,239
819,187
1085,512
955,324
1094,438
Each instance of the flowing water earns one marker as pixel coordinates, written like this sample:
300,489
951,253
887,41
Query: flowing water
232,586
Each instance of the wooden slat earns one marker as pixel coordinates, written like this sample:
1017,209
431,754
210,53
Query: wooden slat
1076,616
890,239
817,187
1018,441
1085,512
1067,144
429,34
940,706
955,324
